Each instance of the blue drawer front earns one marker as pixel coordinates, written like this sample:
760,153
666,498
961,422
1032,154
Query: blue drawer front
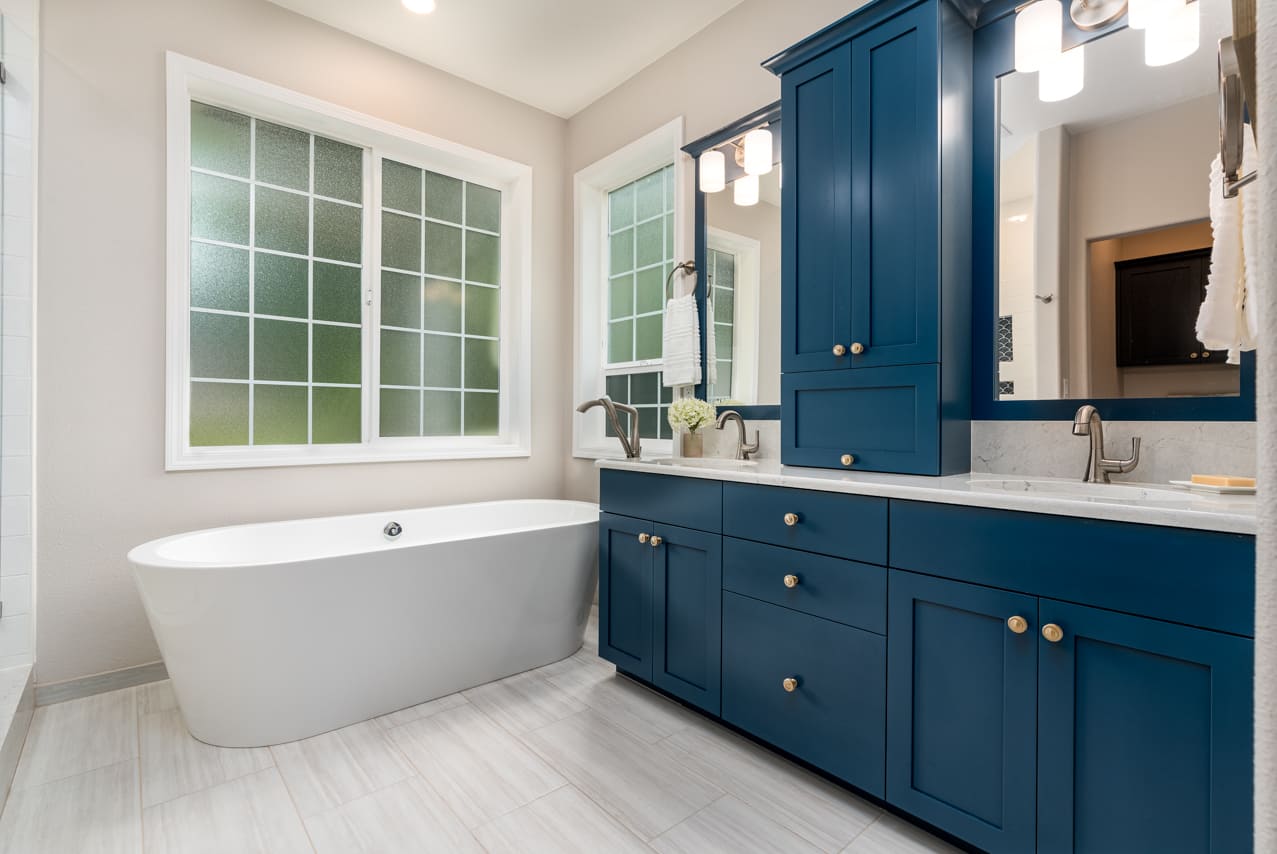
841,590
836,718
683,501
888,419
1200,578
850,526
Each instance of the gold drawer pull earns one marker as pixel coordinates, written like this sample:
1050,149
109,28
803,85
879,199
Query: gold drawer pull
840,350
656,541
846,459
857,348
1053,633
791,519
1018,624
791,581
643,538
790,684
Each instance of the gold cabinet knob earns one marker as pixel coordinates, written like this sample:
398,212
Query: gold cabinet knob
791,519
1192,355
1018,624
1053,633
656,541
643,538
857,348
791,581
790,684
840,350
846,459
1206,354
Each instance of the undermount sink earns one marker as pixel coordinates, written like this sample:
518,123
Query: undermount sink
1143,493
707,463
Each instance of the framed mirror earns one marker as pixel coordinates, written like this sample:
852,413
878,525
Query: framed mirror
1092,232
738,246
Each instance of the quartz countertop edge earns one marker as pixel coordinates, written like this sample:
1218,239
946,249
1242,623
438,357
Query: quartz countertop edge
1206,512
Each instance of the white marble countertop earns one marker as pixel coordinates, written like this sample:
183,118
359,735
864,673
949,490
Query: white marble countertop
1147,504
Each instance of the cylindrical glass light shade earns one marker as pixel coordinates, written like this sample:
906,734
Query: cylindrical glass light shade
713,169
1039,33
745,190
1063,76
421,7
1145,13
1174,37
758,152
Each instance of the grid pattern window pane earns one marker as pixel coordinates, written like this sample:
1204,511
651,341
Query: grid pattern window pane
440,304
722,283
645,392
640,257
276,270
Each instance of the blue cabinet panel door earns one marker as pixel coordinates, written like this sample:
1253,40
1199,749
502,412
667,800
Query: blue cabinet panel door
816,213
895,198
1145,736
962,709
625,594
687,615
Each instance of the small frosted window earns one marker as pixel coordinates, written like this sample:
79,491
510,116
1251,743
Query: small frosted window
276,346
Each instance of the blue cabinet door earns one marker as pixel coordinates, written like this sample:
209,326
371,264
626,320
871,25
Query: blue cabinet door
625,594
962,709
687,615
1145,735
895,198
886,419
816,213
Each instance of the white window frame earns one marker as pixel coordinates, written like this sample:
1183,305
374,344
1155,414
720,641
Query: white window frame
190,79
748,253
591,186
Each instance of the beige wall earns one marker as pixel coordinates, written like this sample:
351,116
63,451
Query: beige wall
102,487
711,80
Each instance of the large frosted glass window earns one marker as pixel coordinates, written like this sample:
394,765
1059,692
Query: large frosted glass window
721,277
440,304
640,253
276,260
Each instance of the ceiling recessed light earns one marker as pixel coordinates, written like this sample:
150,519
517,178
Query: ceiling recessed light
421,7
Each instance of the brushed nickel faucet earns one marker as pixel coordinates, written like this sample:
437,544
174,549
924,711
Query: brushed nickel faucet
630,441
1087,422
743,448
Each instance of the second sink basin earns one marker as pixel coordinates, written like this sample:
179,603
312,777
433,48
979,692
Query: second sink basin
1102,492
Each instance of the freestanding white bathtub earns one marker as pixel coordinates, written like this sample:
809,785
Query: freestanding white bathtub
280,631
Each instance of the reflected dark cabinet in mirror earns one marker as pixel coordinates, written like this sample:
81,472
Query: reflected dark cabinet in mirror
1157,303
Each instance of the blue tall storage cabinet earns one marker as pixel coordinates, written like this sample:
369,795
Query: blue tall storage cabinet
876,220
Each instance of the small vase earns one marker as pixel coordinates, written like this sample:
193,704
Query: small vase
693,444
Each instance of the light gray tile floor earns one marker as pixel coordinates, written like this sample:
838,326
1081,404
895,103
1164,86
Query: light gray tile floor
568,758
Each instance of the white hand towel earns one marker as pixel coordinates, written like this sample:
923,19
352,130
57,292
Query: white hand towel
1221,323
682,342
1252,277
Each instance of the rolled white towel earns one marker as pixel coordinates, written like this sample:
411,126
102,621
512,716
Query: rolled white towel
1220,324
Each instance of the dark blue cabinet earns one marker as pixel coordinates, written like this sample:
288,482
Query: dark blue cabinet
1144,734
660,608
876,234
962,709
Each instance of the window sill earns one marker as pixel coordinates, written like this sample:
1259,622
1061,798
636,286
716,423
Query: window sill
211,459
653,449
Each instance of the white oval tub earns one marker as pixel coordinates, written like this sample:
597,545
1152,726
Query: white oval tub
284,630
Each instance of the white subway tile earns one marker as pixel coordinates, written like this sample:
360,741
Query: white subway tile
15,396
16,356
15,556
15,475
16,316
15,593
16,273
15,516
15,435
15,635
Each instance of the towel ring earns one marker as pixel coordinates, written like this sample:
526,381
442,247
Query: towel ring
1231,120
687,268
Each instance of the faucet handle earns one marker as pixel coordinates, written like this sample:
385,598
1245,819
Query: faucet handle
1127,465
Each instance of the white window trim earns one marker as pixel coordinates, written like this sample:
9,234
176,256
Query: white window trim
591,185
748,252
191,79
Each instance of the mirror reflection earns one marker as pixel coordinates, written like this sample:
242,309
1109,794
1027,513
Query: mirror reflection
1104,229
742,275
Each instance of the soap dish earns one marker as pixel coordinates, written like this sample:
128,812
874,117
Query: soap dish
1217,490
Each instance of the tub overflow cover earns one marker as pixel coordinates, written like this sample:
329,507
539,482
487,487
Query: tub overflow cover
392,530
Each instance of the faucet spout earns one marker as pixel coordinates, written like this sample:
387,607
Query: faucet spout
743,447
1087,422
631,441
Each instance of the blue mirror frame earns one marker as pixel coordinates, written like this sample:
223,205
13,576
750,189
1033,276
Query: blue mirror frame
994,57
767,115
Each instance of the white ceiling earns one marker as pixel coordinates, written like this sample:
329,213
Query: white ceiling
557,55
1118,83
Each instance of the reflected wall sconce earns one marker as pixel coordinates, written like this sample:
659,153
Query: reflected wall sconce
753,153
745,190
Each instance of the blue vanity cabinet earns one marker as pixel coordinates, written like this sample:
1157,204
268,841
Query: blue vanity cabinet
687,615
962,709
876,282
625,594
1144,732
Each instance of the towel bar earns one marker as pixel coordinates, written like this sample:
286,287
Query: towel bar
687,268
1232,115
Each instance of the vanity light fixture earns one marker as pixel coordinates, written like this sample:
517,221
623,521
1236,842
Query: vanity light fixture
1062,76
1144,13
758,152
421,7
1039,33
713,170
1174,35
745,190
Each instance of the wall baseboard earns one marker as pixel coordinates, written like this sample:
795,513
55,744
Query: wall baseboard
100,683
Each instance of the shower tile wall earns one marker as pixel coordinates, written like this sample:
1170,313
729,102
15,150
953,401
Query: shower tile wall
17,99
